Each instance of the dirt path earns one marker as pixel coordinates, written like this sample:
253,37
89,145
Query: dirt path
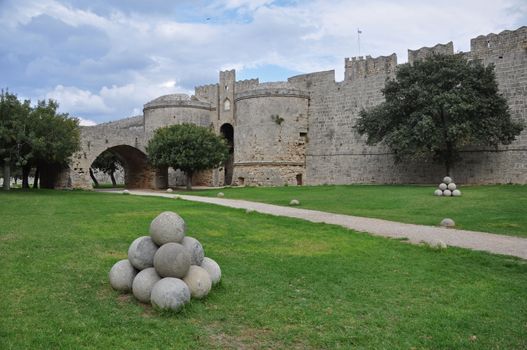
489,242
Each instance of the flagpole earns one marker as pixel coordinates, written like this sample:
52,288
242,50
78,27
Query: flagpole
358,38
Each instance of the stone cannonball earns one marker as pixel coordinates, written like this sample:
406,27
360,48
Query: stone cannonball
438,193
443,186
143,284
169,190
294,202
447,222
167,227
122,275
447,193
141,252
221,194
172,260
437,243
198,281
213,269
447,180
195,249
170,294
452,186
456,193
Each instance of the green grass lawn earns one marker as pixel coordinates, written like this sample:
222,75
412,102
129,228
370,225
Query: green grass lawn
497,209
287,284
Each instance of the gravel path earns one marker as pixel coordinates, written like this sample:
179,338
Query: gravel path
489,242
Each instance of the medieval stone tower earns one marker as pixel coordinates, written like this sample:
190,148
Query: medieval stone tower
301,131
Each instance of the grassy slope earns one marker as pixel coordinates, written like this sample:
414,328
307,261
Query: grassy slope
286,283
498,209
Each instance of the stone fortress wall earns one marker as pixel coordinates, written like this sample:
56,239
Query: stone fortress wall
301,131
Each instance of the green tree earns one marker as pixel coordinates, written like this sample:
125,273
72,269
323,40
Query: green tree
108,163
187,147
14,141
53,138
437,107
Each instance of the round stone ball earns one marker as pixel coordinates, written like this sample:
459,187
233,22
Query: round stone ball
221,194
456,193
447,180
443,186
167,227
198,281
141,252
172,260
213,269
294,202
122,276
143,284
452,186
126,192
447,222
170,294
437,243
447,193
169,190
438,192
195,249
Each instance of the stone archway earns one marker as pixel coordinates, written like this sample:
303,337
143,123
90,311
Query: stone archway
138,173
228,132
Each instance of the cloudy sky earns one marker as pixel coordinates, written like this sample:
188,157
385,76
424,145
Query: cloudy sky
103,59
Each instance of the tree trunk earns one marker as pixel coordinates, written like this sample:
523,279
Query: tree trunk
114,183
25,176
189,181
7,176
35,180
93,178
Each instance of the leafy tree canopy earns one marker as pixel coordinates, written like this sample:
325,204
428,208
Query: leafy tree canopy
187,147
437,107
30,136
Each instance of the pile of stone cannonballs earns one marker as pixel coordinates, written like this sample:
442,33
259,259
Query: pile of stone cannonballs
447,188
166,268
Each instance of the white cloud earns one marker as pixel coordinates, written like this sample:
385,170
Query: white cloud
76,101
86,122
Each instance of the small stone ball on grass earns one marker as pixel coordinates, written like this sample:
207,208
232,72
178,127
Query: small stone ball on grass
438,193
143,284
221,194
167,227
447,193
447,180
195,249
172,260
294,202
456,193
443,186
126,192
452,186
213,269
437,244
447,222
122,275
170,294
169,190
141,252
198,281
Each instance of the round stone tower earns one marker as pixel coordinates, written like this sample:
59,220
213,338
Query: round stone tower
270,135
175,109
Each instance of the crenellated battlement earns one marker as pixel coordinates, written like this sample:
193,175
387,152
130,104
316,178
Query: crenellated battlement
424,52
360,68
242,85
507,40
